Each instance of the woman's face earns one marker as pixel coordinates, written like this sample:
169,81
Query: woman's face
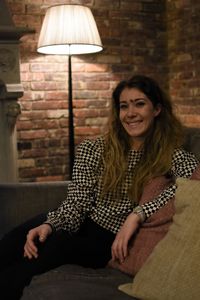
137,115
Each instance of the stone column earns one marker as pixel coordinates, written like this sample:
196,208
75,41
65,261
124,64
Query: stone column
9,110
10,91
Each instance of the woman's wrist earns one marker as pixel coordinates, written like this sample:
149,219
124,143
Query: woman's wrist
50,225
140,213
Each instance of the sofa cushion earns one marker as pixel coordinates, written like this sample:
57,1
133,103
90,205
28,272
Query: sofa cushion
172,271
151,232
192,141
74,282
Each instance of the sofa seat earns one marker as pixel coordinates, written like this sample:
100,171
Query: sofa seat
72,282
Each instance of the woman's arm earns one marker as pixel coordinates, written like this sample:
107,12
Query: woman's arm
72,212
184,165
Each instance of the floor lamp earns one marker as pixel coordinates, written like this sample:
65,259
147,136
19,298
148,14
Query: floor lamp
69,30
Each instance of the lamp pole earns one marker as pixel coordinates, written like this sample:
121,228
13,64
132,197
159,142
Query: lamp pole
70,118
69,29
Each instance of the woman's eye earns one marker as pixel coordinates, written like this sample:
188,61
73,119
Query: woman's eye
140,103
122,106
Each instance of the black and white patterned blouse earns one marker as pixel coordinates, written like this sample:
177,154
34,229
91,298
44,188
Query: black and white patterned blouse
84,191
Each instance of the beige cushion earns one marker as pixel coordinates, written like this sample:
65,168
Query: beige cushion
172,271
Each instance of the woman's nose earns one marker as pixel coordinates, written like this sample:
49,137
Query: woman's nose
131,111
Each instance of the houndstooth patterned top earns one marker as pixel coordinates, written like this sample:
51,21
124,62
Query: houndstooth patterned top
84,191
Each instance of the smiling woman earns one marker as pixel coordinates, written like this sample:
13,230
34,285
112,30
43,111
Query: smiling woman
102,210
141,118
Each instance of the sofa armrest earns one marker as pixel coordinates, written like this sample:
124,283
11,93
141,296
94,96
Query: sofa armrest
21,201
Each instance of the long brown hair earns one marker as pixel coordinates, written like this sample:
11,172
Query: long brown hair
165,135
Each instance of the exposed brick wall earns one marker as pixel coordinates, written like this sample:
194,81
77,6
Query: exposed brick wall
184,58
135,40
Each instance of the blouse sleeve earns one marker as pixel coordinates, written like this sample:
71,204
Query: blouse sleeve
183,165
72,212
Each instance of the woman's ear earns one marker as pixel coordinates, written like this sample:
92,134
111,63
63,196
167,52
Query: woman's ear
157,109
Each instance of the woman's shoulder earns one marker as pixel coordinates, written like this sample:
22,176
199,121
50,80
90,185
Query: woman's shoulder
180,154
183,163
92,146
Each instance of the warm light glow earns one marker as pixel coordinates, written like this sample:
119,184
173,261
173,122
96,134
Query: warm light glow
69,29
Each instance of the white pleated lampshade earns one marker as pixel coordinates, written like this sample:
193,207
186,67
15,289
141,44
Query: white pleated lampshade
69,29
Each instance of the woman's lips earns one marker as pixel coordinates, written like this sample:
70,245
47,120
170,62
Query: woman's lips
134,124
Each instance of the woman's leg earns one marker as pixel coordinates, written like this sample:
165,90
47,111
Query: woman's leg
19,273
93,248
90,247
12,244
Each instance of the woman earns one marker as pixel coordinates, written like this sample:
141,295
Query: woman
101,212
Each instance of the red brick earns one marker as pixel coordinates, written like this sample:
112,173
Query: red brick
45,105
31,172
87,130
29,135
96,67
41,86
99,85
50,178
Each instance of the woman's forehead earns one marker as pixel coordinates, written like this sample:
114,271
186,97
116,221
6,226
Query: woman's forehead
132,94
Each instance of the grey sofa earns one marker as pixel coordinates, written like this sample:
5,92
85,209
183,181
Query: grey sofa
20,201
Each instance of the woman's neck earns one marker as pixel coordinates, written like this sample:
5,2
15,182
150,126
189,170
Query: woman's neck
137,144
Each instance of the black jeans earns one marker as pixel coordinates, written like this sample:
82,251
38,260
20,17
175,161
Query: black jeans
90,247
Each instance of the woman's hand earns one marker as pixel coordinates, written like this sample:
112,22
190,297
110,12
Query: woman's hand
120,245
38,233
